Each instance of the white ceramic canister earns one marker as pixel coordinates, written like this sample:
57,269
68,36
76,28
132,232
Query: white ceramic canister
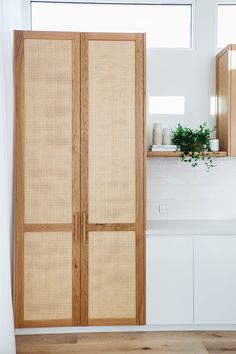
166,136
157,134
214,145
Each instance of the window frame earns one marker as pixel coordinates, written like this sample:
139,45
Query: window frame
221,3
192,3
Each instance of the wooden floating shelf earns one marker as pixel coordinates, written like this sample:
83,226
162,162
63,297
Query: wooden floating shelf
177,153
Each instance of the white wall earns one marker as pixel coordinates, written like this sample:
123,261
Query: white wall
189,193
12,16
188,73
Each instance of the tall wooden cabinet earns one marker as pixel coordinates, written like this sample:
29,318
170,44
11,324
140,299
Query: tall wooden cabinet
226,104
79,179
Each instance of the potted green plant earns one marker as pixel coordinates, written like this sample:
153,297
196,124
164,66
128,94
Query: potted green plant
193,145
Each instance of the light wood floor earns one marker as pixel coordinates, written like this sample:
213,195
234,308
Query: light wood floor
125,343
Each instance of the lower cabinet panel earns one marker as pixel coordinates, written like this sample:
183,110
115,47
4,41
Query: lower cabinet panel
112,269
215,284
169,280
48,277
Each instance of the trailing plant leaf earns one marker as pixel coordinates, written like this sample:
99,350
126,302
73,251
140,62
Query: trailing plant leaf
193,144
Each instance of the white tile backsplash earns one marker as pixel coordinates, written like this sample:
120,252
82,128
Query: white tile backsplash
191,193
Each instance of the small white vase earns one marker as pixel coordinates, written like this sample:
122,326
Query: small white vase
157,134
214,145
166,136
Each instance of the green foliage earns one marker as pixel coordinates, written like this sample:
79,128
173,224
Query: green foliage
193,144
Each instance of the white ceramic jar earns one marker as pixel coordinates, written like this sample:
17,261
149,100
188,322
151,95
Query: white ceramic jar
214,145
157,134
166,136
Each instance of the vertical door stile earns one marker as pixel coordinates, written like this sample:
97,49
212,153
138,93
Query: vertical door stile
76,273
84,176
140,168
18,178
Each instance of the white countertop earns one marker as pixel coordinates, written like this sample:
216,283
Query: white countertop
191,227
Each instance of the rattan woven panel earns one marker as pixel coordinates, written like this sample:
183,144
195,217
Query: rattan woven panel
48,131
111,132
47,276
112,275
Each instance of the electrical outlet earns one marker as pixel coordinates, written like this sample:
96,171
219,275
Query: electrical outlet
163,208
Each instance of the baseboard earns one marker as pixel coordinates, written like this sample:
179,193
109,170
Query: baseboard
147,328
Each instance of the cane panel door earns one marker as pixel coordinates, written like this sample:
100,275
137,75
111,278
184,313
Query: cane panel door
46,179
112,167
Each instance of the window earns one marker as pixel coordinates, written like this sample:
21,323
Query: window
167,26
166,105
226,24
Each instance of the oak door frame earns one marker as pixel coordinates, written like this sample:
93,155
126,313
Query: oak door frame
18,218
227,142
140,161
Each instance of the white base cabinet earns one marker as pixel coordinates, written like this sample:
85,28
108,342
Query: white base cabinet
169,280
191,280
215,280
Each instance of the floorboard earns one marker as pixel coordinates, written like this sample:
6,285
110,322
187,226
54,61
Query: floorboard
133,342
